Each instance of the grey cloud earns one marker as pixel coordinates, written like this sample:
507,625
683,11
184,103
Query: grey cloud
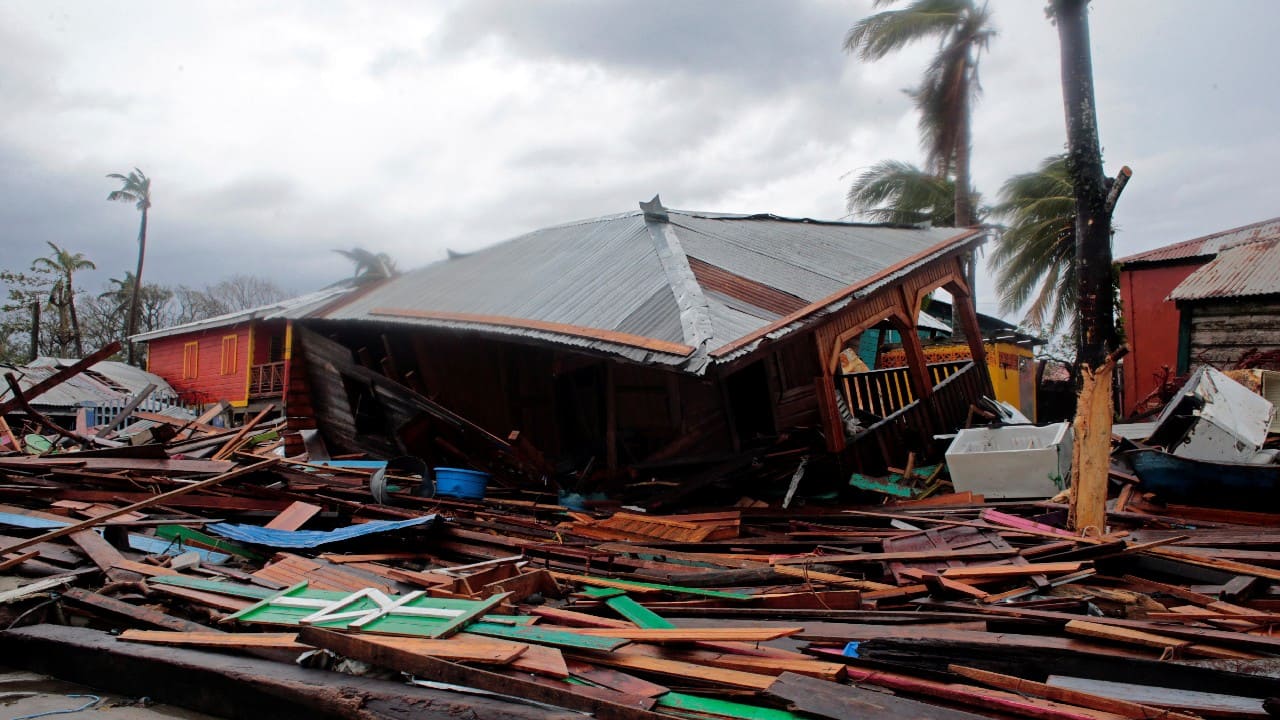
763,43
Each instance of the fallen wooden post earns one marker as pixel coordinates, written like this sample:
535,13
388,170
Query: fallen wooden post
62,376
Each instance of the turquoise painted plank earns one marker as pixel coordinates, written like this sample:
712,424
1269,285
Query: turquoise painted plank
675,701
215,586
642,616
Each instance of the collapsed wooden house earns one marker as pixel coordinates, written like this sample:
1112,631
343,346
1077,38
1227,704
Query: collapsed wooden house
637,338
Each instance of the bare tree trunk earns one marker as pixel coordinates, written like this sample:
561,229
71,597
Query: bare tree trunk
75,319
35,330
1084,162
137,286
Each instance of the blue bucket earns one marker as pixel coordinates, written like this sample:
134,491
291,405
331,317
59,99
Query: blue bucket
459,483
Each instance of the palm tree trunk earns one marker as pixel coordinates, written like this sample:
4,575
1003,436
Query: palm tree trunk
137,285
964,195
75,320
1084,163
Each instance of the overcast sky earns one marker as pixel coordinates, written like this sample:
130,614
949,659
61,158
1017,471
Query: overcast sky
275,132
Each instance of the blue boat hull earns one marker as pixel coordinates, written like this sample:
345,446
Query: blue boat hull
1184,481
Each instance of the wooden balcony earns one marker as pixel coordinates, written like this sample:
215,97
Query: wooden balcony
883,392
910,426
266,380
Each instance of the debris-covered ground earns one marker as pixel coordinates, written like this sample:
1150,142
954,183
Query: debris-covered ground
203,569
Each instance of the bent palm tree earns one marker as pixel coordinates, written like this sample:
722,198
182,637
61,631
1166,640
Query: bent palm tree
950,82
136,189
370,266
897,192
1034,258
66,264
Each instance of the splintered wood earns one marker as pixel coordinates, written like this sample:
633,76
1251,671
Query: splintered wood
945,608
1091,451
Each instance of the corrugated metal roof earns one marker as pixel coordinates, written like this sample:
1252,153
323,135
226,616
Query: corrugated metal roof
289,309
593,274
669,289
1238,271
808,259
608,274
1207,245
105,383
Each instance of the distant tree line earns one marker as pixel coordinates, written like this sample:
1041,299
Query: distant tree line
71,321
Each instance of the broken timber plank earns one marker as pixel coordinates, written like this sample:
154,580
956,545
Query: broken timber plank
294,516
154,500
360,648
678,669
281,641
838,702
1069,695
689,634
239,687
123,610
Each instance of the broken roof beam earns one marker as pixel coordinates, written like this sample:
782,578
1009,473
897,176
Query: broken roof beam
62,376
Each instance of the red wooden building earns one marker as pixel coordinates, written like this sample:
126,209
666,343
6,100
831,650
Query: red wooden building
240,358
1152,321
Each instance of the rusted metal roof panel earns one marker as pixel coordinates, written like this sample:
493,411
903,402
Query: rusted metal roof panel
1238,271
808,259
1208,245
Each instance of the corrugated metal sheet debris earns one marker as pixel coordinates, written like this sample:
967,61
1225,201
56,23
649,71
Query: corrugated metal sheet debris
311,538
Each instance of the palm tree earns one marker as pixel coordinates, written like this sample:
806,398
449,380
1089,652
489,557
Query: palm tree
370,266
65,265
900,193
136,189
1096,329
1034,257
950,81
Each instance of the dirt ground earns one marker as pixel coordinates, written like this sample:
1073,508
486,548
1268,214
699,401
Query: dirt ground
24,694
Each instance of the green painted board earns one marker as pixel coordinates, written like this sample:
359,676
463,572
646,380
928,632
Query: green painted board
511,627
540,636
601,593
179,532
886,485
215,586
642,616
694,704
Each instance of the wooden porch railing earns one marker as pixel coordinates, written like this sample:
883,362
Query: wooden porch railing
911,428
266,380
884,392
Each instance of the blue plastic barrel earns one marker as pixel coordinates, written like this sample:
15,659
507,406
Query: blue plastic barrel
460,483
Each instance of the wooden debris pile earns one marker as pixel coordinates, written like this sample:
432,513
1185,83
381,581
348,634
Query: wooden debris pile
214,552
945,608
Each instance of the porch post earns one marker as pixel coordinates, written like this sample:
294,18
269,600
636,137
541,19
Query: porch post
961,300
917,365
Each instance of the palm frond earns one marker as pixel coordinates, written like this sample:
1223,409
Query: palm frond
874,37
898,192
1034,257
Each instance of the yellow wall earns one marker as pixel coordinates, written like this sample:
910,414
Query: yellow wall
1004,361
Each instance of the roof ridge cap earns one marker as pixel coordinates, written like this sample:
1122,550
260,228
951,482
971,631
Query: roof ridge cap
695,310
